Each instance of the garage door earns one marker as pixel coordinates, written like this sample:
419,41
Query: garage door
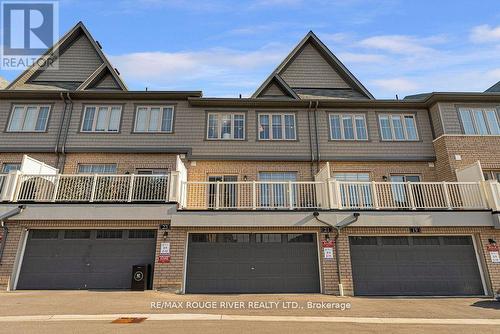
430,265
252,263
84,259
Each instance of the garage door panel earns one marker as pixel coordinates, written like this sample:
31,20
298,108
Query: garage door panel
260,264
82,263
433,266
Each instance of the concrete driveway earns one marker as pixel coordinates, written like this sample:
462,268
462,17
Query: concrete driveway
85,311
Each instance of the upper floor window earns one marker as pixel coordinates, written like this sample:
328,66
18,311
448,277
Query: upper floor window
226,126
277,127
348,127
154,119
8,167
97,169
101,119
352,177
152,171
398,127
29,118
478,121
492,175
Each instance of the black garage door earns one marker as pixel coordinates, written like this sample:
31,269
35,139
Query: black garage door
84,259
252,263
428,265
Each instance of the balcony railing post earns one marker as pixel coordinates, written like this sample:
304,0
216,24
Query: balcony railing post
254,195
131,187
339,194
290,195
19,182
217,190
373,188
56,187
410,195
94,185
447,195
482,194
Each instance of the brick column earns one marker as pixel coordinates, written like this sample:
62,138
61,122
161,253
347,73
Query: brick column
170,276
9,254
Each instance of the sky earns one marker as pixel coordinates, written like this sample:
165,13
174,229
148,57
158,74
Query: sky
229,47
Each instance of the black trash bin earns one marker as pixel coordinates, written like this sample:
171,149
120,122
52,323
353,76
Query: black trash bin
139,277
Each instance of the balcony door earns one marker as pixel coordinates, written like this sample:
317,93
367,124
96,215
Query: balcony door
275,195
400,191
228,194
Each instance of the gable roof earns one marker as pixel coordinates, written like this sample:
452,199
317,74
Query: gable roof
277,87
79,57
311,43
494,89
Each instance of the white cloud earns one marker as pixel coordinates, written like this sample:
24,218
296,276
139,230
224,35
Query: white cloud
217,67
396,85
485,34
402,44
351,57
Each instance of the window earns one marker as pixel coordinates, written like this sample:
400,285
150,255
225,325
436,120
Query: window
277,127
97,169
233,238
348,127
77,234
101,119
476,121
275,195
109,234
300,238
352,177
227,190
29,118
354,194
203,237
398,127
492,175
154,119
6,168
226,126
267,238
154,171
141,234
44,234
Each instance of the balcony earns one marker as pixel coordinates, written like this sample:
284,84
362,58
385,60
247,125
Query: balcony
332,194
81,188
249,195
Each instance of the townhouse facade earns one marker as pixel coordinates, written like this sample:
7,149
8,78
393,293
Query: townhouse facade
311,185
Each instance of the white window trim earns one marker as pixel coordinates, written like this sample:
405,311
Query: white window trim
97,164
25,108
219,125
474,122
283,127
403,121
353,118
94,121
158,130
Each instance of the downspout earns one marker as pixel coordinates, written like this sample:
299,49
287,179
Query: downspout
66,130
318,155
338,227
56,148
310,139
3,219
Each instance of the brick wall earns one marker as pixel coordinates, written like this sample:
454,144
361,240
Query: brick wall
125,162
486,149
378,169
7,158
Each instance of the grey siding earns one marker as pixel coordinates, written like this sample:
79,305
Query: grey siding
310,70
273,90
34,141
375,148
76,63
437,124
451,118
107,82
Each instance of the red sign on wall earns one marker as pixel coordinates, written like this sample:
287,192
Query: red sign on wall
164,259
327,243
492,247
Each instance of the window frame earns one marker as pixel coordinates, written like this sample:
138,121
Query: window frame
149,107
484,110
342,131
154,171
219,125
25,108
283,126
5,164
404,127
97,164
96,114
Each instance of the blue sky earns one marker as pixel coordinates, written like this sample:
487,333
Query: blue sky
226,48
